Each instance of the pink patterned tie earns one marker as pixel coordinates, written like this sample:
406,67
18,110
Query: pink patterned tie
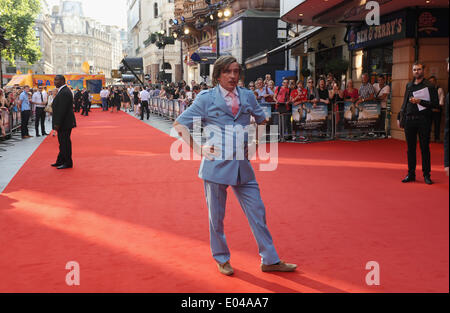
234,103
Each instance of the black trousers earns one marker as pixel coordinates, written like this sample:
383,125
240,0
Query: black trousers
85,109
39,118
77,106
437,125
65,147
144,107
25,118
382,121
420,126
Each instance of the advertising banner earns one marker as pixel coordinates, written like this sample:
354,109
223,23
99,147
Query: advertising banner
308,116
361,116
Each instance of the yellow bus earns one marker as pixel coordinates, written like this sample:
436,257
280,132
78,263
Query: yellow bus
93,83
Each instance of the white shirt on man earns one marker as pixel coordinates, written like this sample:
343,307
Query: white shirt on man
39,101
385,90
104,93
145,96
228,99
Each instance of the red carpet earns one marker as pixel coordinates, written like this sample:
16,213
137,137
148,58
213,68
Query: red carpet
136,221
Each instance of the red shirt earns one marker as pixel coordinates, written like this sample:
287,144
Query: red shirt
353,95
283,94
302,92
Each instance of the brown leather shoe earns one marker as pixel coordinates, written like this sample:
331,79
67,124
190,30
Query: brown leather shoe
279,267
225,268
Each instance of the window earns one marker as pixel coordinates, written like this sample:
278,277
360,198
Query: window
94,86
378,60
155,10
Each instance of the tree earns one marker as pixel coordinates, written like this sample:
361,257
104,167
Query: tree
18,18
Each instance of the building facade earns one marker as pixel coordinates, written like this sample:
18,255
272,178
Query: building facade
408,31
78,39
147,17
250,28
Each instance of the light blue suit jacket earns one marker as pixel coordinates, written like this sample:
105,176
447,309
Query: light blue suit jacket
212,109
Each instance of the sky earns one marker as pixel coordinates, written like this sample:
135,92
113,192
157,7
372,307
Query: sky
108,12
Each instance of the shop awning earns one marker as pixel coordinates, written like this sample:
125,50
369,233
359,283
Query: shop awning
296,41
262,58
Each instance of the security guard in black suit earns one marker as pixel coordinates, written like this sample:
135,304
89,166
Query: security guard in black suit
86,102
77,99
415,117
63,122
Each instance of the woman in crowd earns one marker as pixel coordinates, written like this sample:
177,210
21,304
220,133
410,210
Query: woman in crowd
337,101
350,93
163,93
116,100
195,91
322,94
251,86
298,99
125,99
182,100
189,96
12,105
136,101
311,91
3,112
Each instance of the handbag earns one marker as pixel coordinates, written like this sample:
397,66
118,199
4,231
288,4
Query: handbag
48,109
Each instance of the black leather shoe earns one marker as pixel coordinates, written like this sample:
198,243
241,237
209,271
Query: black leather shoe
37,135
56,165
409,178
62,167
428,180
44,134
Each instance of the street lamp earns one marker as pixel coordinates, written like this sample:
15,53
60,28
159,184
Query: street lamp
161,41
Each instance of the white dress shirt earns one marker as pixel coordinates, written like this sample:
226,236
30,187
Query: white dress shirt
37,100
104,93
227,98
145,96
59,89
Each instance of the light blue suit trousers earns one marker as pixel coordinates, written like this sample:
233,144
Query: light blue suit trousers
249,197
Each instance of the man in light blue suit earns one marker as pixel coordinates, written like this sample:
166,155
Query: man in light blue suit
223,108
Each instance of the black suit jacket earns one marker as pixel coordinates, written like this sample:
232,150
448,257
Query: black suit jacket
446,134
429,105
62,106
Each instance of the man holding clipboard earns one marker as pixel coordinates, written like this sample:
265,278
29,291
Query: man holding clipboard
415,117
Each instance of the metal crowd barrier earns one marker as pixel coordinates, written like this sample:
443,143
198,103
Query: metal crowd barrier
305,123
308,122
11,122
167,108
